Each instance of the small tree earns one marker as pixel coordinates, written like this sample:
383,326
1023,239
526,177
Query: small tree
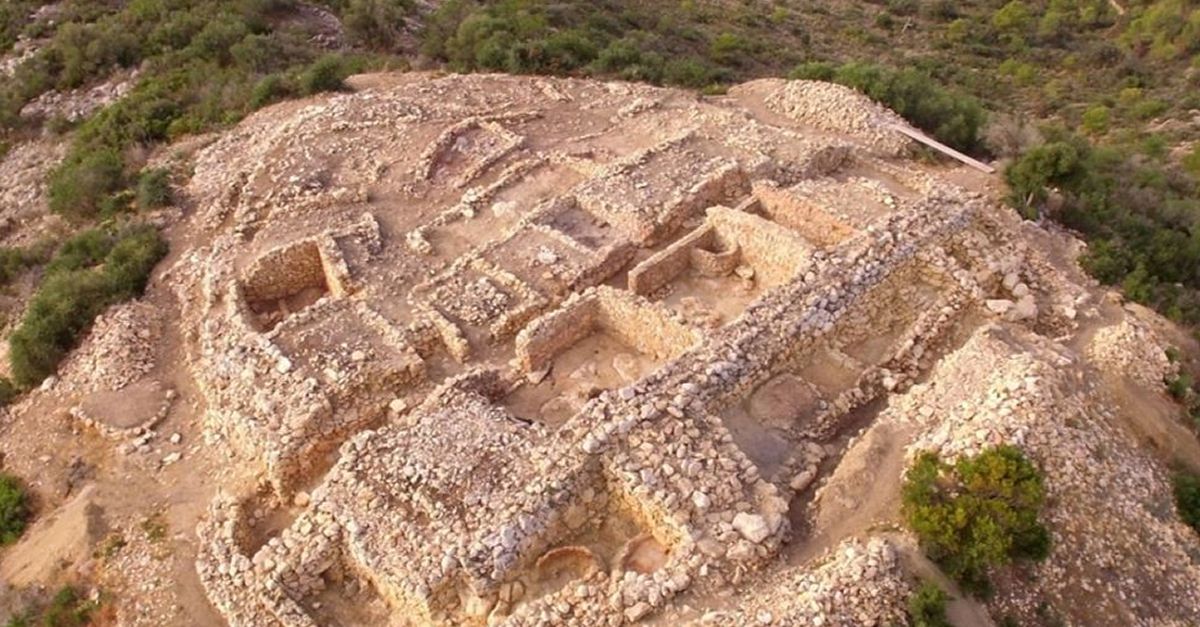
1054,163
154,188
14,509
78,186
1187,498
325,74
978,513
927,606
1096,119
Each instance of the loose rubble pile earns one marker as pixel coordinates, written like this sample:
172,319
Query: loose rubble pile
860,584
523,351
77,104
1131,348
824,106
118,350
23,200
1109,503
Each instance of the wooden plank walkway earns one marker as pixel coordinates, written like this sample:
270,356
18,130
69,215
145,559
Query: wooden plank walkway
943,148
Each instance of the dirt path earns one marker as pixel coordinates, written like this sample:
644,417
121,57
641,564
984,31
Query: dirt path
1150,416
862,493
961,610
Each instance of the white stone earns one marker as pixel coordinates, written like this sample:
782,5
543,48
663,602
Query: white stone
752,527
998,306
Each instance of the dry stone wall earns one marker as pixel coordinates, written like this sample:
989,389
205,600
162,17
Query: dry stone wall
502,224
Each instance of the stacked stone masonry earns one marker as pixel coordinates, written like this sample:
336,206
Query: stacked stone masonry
723,246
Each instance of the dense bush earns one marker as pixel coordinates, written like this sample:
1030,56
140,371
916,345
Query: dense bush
8,391
690,46
325,74
14,261
927,606
13,17
80,184
376,23
1141,219
204,65
92,271
1187,498
14,509
1166,29
953,118
979,513
154,188
1031,177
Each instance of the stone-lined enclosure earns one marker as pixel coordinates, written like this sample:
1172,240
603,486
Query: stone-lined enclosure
529,351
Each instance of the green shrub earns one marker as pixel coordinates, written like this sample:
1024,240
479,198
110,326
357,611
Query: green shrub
67,608
154,188
376,23
1140,217
14,509
1030,176
272,88
90,272
1191,162
927,606
1096,119
128,265
1180,386
729,49
84,250
626,58
690,72
325,74
79,185
814,71
1148,109
979,513
1187,498
13,261
8,391
1014,20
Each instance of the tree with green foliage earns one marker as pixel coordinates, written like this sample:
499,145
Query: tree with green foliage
1142,221
1031,177
95,269
1187,498
325,74
978,513
14,509
927,606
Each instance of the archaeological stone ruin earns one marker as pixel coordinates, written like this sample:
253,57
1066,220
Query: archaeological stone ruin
531,351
